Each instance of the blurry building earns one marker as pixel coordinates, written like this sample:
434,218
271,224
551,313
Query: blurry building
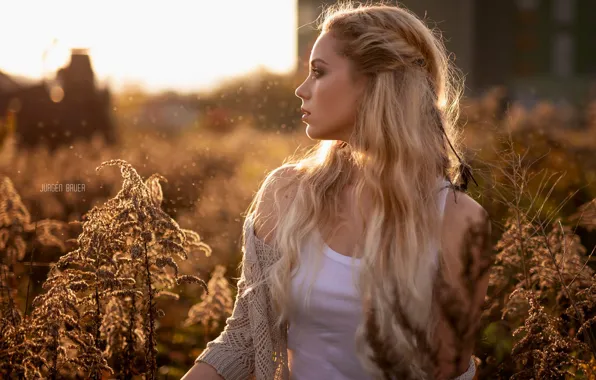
8,83
536,48
57,112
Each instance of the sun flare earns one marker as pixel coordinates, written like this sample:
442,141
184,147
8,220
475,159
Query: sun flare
180,45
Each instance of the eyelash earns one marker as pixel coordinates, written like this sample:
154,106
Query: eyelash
317,72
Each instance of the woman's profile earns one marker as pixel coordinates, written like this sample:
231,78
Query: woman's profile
343,246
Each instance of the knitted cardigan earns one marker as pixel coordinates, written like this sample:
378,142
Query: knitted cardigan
250,347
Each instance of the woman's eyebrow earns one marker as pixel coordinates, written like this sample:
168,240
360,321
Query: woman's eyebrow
318,59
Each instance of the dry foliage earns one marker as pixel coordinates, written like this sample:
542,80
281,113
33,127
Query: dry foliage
216,303
98,314
541,284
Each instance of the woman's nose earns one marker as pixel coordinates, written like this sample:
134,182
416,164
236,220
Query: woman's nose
300,92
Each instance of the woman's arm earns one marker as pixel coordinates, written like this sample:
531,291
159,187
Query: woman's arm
202,371
231,355
466,280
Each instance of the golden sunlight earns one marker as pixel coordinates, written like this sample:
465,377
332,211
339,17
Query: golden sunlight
179,45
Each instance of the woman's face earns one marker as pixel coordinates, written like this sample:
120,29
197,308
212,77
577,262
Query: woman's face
329,93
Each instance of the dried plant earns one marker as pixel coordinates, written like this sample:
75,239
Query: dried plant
539,261
16,231
551,260
10,315
15,222
99,305
10,321
585,309
543,352
129,242
215,305
57,342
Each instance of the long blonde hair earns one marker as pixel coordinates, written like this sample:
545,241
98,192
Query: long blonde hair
400,150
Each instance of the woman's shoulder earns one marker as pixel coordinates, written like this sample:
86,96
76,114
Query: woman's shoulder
275,195
462,213
464,219
285,172
461,207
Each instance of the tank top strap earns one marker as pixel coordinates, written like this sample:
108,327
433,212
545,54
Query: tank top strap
444,191
443,197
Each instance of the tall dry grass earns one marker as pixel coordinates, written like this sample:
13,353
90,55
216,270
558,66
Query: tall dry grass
541,308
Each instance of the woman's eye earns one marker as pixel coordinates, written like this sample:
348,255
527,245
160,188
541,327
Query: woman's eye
317,73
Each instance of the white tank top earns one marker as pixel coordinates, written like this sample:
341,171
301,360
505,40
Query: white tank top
321,339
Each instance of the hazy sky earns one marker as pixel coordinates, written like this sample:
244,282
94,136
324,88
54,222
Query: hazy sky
178,44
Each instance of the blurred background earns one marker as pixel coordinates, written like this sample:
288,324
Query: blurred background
202,92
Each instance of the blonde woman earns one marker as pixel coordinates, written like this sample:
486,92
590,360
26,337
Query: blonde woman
343,246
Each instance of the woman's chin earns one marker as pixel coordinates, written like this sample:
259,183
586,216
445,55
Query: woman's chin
317,134
312,133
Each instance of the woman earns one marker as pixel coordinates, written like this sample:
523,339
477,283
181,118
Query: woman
343,247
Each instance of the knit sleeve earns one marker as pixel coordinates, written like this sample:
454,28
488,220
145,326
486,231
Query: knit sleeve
232,352
470,372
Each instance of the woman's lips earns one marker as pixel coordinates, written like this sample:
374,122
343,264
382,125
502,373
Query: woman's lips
305,113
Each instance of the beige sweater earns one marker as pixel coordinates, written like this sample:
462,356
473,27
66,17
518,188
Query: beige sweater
250,347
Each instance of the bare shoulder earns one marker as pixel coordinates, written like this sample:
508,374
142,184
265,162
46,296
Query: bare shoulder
462,215
461,209
276,193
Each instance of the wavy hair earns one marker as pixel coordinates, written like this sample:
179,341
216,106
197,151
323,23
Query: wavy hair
403,146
